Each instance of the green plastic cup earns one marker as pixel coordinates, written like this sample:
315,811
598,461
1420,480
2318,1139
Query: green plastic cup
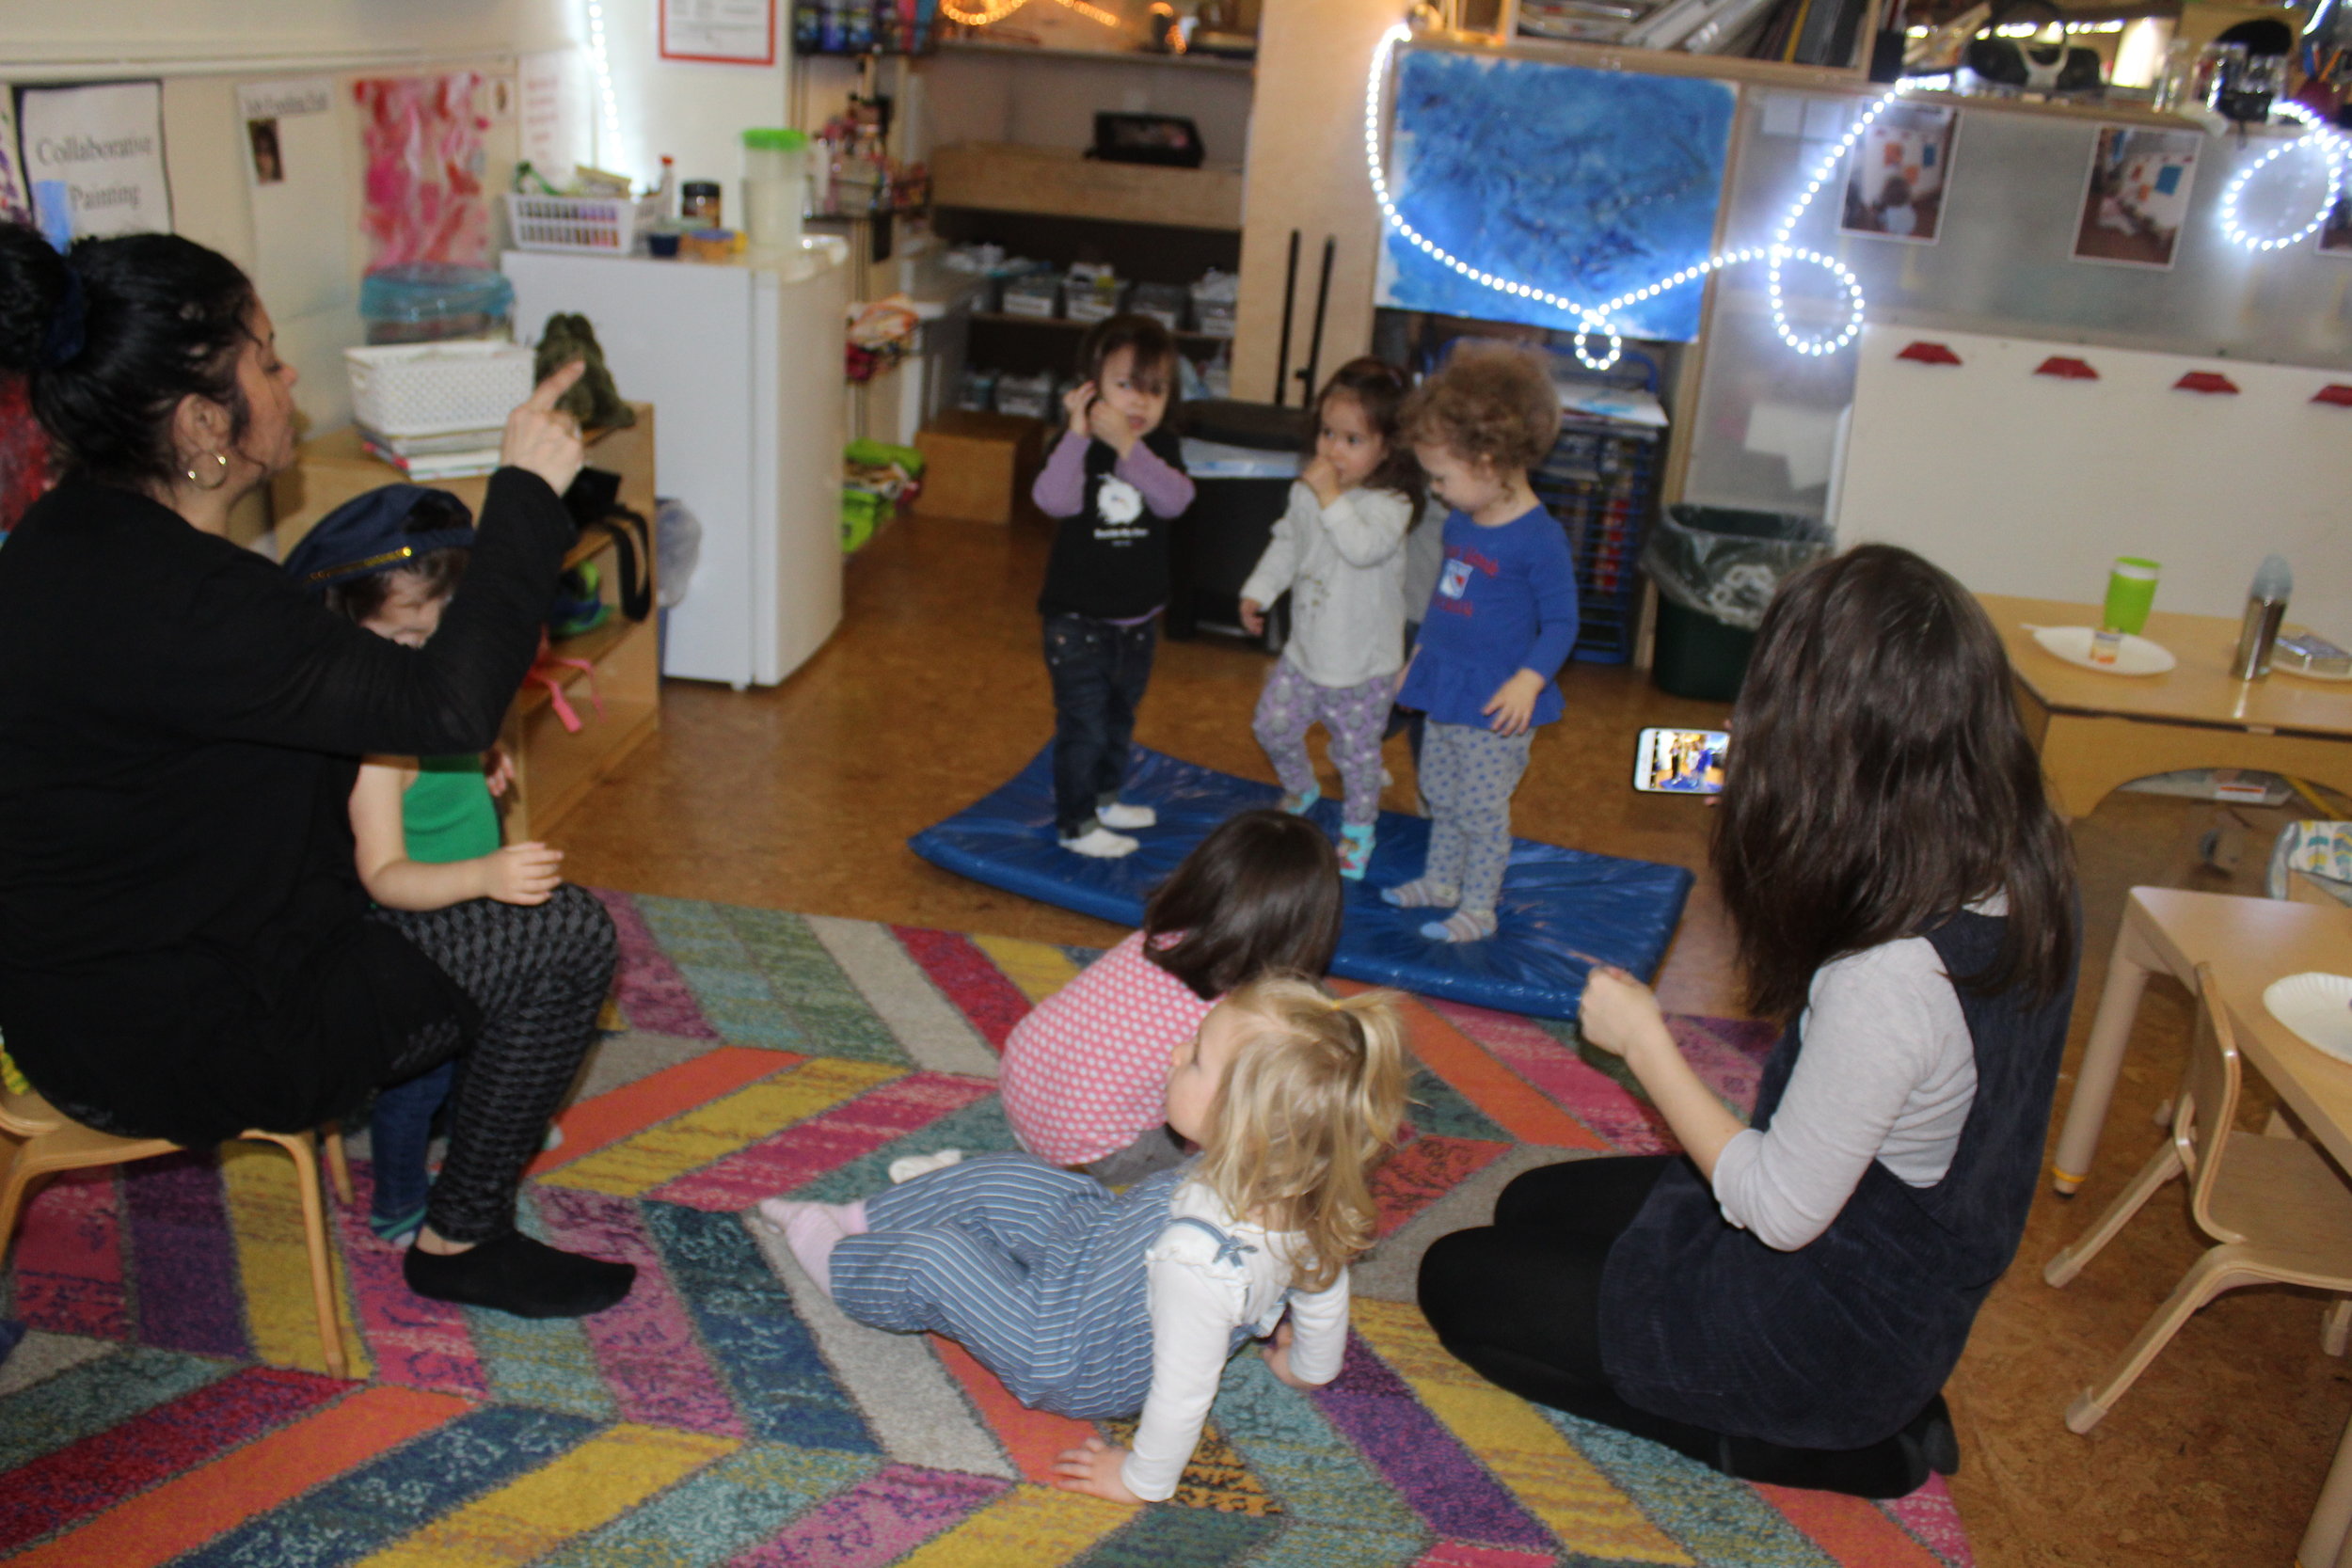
2131,594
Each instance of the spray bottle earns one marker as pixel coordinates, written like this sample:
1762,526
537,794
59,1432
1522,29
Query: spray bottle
2265,606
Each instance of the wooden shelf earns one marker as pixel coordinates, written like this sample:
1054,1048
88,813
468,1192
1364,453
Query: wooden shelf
1099,57
1055,182
1005,318
2107,114
554,768
1654,62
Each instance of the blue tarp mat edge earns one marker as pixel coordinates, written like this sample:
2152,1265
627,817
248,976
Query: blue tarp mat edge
1561,910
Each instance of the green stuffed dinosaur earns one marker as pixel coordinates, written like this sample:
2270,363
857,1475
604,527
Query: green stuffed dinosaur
593,401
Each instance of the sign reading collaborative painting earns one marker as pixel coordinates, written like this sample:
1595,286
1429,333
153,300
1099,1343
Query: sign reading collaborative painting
1586,184
94,158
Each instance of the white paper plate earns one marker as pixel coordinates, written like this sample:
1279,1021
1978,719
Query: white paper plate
2319,1007
2137,657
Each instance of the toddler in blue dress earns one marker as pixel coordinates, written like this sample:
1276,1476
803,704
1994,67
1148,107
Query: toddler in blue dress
1499,625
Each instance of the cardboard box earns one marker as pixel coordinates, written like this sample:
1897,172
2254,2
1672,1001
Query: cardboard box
978,466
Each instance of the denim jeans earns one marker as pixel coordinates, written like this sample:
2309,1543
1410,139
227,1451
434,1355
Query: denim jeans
399,1128
1099,673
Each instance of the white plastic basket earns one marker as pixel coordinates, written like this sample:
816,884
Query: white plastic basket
588,225
434,389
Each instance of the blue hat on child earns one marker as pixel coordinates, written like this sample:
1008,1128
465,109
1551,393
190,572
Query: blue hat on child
370,534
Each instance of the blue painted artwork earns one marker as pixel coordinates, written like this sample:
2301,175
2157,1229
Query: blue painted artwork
1588,184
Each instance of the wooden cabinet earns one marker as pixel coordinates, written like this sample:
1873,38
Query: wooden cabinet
554,766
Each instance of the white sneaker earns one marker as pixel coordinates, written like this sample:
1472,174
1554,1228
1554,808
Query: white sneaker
906,1168
1101,843
1120,814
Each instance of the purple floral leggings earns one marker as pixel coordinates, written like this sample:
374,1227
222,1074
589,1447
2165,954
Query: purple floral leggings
1357,717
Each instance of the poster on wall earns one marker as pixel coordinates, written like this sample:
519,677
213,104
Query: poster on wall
94,158
1586,183
551,113
2136,195
727,32
424,169
16,198
2335,235
292,142
1895,178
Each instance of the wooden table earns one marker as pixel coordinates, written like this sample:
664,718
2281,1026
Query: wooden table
2250,942
2096,731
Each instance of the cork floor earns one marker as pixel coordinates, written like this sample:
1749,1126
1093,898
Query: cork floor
932,692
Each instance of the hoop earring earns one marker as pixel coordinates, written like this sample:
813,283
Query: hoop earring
220,474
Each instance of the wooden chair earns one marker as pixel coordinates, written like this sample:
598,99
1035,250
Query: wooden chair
2277,1208
38,1140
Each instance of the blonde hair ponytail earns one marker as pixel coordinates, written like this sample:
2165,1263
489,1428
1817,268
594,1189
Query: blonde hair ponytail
1310,1102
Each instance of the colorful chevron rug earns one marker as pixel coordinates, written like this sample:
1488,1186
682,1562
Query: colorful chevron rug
170,1406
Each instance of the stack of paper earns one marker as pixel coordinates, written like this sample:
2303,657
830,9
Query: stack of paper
453,455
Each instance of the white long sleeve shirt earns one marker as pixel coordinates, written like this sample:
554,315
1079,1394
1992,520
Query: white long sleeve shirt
1887,1073
1344,567
1200,1294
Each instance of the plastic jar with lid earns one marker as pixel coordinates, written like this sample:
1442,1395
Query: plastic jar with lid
422,301
775,186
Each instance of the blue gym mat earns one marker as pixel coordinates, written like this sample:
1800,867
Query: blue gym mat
1561,910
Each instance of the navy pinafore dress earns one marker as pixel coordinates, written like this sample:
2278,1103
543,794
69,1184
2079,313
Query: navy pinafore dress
1838,1343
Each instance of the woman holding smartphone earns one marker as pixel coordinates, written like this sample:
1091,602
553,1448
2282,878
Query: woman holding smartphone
1783,1300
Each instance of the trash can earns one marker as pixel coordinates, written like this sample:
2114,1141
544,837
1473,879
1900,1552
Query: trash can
1242,457
1716,568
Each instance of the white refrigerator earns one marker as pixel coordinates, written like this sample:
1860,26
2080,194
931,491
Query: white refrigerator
743,365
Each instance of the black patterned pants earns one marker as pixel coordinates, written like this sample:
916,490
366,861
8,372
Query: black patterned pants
538,973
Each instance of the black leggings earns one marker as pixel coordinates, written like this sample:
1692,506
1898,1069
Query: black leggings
538,973
1519,1303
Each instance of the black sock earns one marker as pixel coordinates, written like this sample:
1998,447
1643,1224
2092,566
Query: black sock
1892,1468
514,1274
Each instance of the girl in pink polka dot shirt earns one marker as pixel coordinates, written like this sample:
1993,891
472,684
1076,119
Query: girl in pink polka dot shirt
1085,1077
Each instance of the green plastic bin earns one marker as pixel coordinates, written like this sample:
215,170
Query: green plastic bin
1697,656
1716,568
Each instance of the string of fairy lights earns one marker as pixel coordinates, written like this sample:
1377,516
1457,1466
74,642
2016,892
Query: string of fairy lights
1598,319
997,10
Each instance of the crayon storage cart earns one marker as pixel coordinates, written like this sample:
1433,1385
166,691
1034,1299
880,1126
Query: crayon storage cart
1600,483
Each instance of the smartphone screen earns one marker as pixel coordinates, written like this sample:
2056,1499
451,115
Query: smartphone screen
1680,762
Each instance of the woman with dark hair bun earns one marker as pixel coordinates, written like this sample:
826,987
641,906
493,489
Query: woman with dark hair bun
185,950
1784,1301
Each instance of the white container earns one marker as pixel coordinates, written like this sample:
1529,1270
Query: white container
583,225
434,389
776,184
742,364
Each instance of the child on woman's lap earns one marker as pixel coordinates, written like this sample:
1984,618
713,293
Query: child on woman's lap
1501,623
1094,1306
426,829
1339,551
1114,482
1085,1073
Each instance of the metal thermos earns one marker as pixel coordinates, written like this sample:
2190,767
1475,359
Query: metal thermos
2265,606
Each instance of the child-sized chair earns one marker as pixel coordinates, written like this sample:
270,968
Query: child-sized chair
2279,1209
38,1140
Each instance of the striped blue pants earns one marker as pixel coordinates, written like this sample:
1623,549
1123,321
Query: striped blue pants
1038,1271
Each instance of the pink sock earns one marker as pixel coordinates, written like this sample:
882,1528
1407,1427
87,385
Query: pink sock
812,1230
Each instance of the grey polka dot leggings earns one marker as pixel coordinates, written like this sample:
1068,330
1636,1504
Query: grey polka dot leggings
1467,776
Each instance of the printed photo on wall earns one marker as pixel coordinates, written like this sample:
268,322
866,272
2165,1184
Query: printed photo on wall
2136,195
1898,176
269,162
2335,235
